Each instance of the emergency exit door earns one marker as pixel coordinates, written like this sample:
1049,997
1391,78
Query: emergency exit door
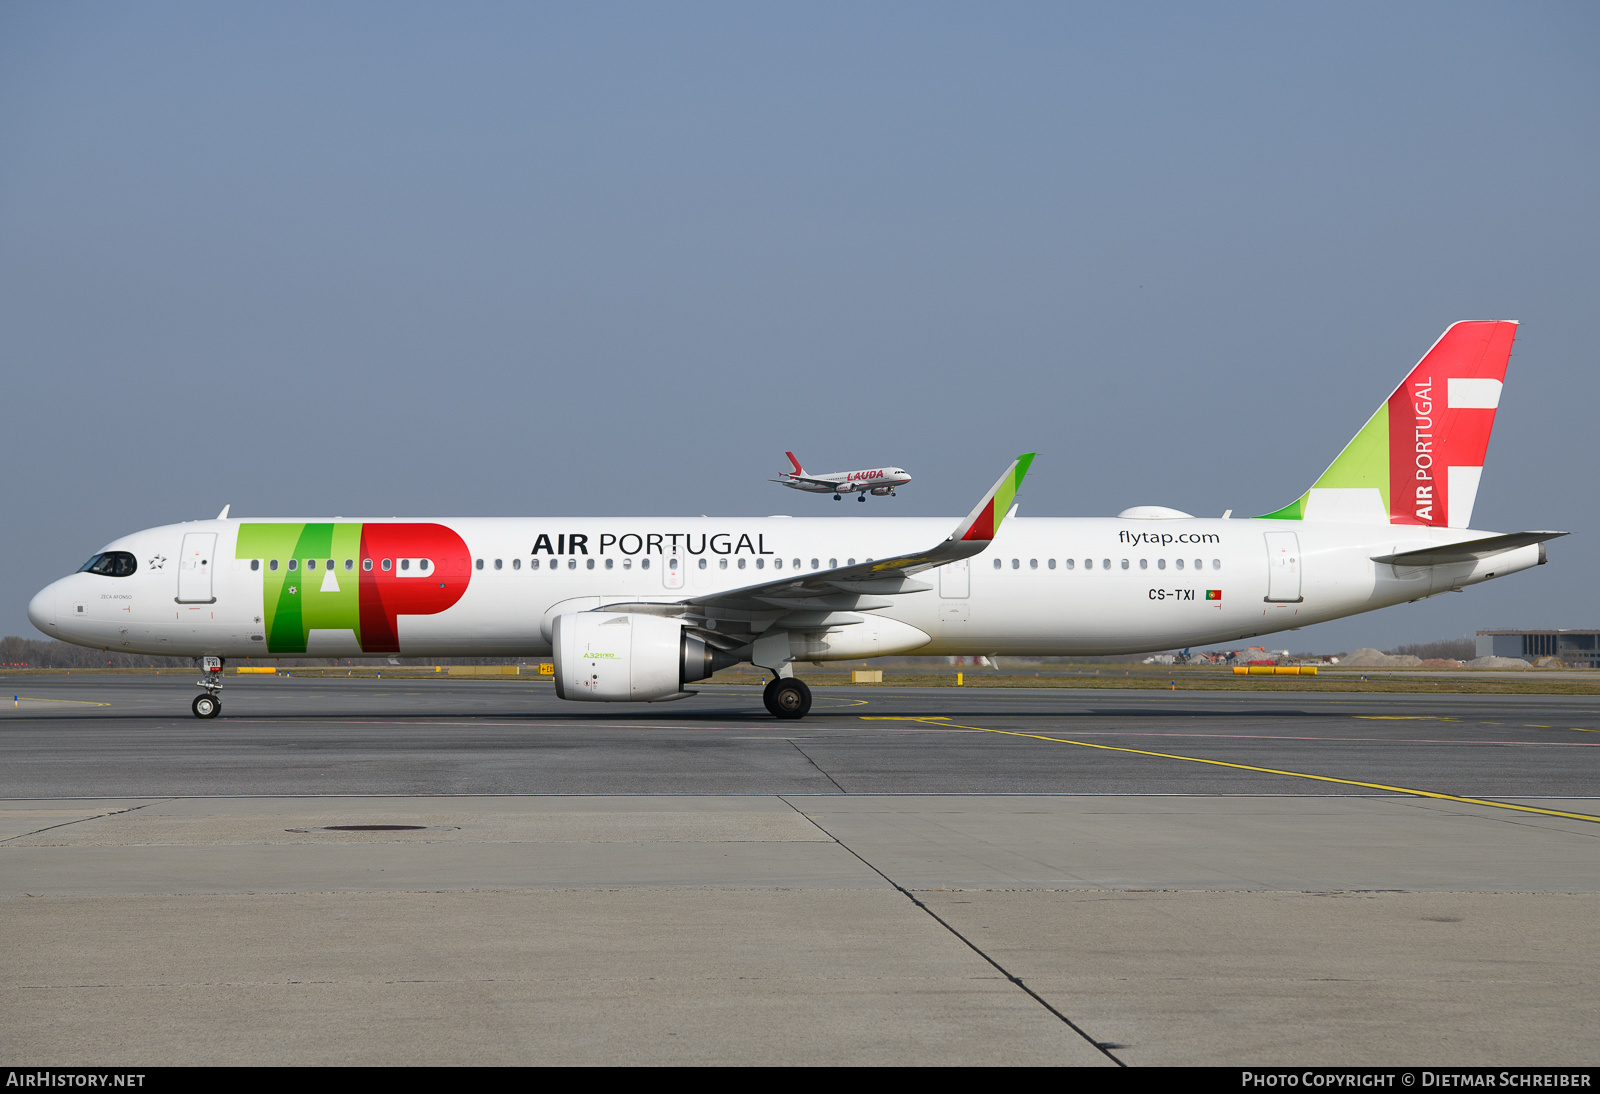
1283,568
955,580
195,564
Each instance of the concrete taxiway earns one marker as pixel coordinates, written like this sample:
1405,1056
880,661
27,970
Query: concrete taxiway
906,876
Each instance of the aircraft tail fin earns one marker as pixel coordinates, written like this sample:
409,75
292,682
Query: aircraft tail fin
1418,459
798,470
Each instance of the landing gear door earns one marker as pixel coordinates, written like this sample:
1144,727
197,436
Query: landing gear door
1283,568
955,580
194,568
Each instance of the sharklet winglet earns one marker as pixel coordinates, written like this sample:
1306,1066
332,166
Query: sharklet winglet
984,521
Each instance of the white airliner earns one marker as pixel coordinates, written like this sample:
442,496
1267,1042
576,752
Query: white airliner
637,609
872,480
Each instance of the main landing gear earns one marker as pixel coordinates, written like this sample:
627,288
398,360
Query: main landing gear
787,698
861,497
836,497
209,705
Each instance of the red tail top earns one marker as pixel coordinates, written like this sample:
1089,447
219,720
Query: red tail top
1439,424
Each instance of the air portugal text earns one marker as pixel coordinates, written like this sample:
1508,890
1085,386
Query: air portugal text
652,543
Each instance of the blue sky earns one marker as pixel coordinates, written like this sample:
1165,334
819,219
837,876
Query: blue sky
615,259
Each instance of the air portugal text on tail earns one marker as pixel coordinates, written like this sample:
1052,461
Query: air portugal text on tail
639,609
1419,458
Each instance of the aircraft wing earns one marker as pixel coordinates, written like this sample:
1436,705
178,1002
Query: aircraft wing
847,588
808,478
1470,551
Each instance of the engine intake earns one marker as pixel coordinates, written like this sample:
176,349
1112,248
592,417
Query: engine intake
606,657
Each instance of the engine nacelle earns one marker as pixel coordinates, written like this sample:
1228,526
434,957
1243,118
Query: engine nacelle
606,657
880,491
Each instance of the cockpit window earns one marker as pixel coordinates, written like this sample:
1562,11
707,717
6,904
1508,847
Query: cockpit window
110,564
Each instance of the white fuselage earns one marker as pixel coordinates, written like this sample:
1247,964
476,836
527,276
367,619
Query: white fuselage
1044,586
883,479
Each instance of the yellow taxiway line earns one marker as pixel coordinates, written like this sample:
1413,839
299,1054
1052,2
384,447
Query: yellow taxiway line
942,721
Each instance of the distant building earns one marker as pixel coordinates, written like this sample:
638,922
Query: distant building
1580,648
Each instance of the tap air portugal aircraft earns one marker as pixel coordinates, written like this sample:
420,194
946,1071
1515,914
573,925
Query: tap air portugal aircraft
638,609
873,480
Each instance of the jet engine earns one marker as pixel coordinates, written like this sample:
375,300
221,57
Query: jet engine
880,491
606,657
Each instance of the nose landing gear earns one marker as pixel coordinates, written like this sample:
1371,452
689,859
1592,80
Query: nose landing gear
209,705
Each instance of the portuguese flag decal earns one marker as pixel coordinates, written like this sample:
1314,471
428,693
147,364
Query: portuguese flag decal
1213,594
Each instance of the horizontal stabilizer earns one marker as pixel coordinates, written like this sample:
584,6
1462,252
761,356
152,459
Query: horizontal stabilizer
1470,551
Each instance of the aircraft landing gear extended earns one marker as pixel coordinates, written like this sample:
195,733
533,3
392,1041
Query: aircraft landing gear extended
787,698
836,497
209,705
863,497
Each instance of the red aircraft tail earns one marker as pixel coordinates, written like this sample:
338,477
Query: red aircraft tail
798,470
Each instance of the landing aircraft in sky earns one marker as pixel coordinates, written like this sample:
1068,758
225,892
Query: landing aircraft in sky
873,480
637,609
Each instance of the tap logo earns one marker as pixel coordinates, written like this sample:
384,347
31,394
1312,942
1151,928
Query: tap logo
368,578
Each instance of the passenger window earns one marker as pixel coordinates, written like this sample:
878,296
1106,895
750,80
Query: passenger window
849,562
422,564
1124,564
405,564
1072,563
1216,564
1052,564
1016,564
366,564
627,564
741,564
311,564
386,565
1199,564
1161,564
813,564
272,565
499,564
1144,564
478,564
777,564
533,564
722,564
349,564
516,563
998,564
1088,564
761,563
330,564
797,564
589,562
1178,562
572,564
1033,564
702,564
833,564
294,564
610,563
255,564
644,563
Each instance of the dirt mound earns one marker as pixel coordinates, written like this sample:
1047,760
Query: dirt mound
1497,663
1367,658
1440,663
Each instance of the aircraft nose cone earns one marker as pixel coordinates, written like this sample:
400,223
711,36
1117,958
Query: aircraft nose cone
42,609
